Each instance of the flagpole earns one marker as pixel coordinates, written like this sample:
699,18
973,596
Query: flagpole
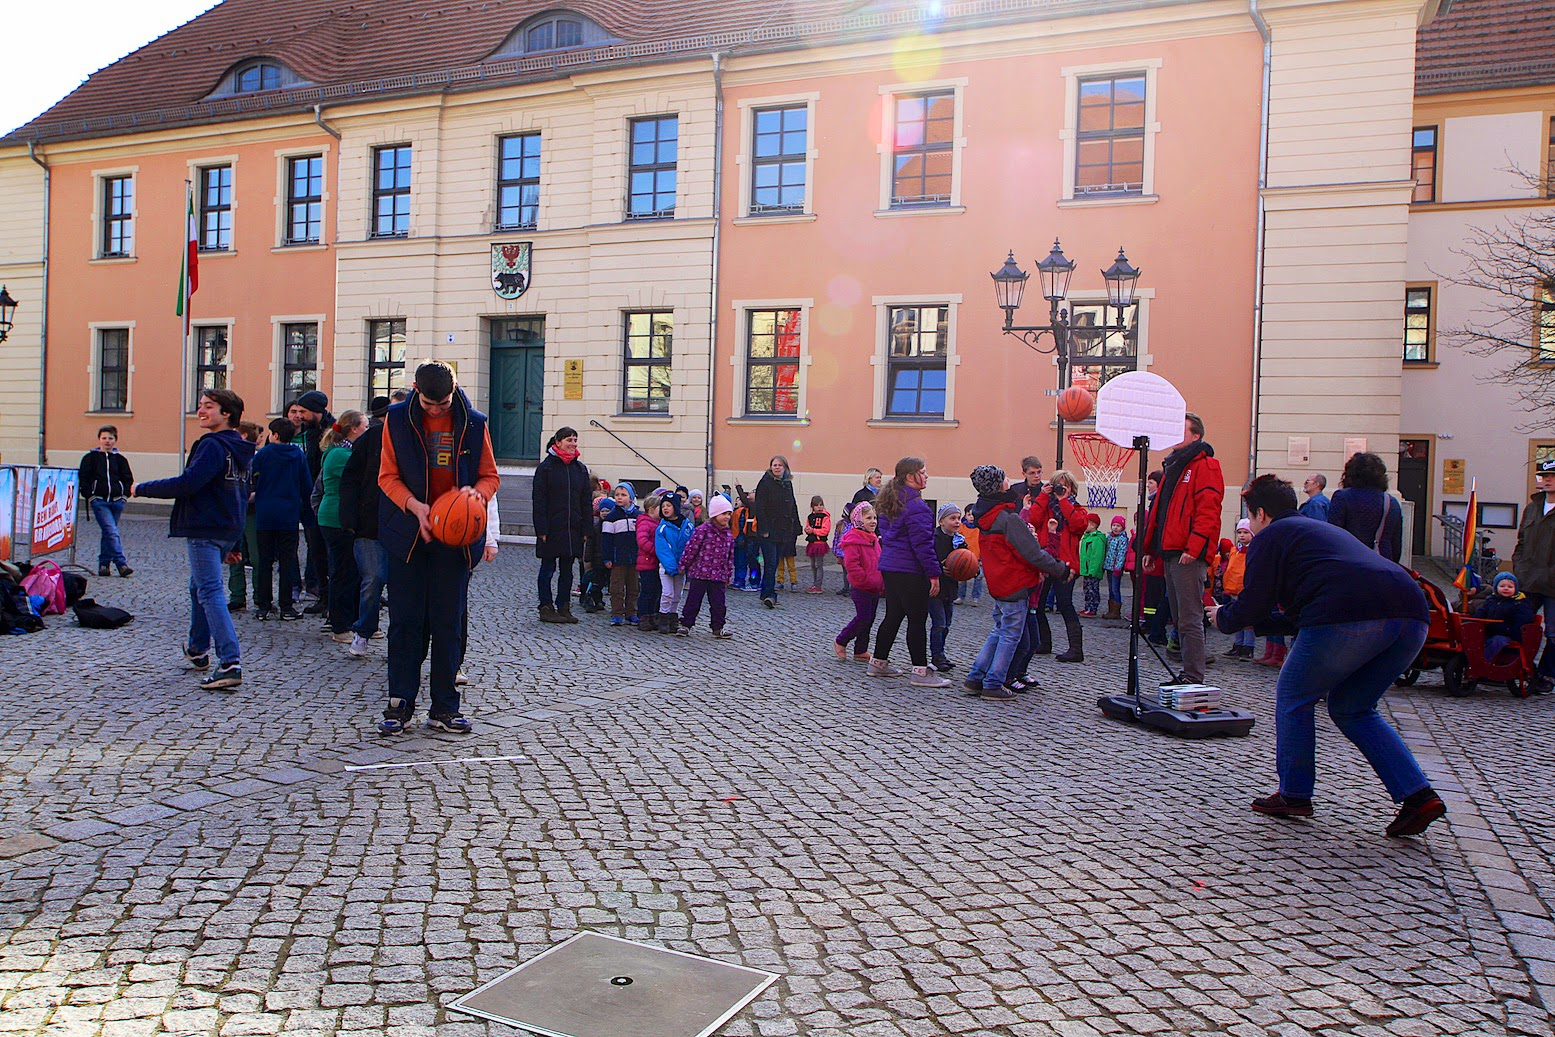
183,339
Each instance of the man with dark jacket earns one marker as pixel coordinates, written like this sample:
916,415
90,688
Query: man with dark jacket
1183,530
105,485
209,510
281,486
1533,560
433,443
316,420
359,513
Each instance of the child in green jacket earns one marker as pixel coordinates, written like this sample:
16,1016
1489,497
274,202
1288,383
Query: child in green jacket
1093,553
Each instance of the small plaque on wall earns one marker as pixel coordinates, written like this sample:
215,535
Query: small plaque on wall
572,379
1354,445
1298,450
1453,469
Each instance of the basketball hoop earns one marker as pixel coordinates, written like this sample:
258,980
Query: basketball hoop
1103,462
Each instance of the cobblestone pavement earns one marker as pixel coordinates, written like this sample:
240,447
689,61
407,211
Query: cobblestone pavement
909,862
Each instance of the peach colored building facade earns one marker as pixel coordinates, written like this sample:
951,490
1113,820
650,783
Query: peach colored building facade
115,353
853,260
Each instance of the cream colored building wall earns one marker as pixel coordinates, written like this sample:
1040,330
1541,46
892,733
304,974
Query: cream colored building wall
21,271
1341,100
1484,157
588,266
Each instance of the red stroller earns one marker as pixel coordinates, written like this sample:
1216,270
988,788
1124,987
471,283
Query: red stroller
1455,644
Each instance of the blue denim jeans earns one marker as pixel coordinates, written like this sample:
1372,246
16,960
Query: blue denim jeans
109,548
769,568
561,569
1352,664
372,566
976,587
208,616
993,662
941,613
1115,586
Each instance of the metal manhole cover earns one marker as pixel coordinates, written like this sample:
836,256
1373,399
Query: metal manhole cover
592,985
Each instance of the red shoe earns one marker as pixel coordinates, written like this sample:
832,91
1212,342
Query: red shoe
1278,806
1275,656
1412,820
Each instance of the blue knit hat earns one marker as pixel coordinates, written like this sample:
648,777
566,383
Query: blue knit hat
1505,576
631,491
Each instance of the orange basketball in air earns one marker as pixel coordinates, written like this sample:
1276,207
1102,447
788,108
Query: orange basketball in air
458,519
960,564
1076,404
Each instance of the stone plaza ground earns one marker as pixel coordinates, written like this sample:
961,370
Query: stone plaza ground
909,862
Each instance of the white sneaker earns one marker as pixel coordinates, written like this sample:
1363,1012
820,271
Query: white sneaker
358,647
881,668
460,678
922,678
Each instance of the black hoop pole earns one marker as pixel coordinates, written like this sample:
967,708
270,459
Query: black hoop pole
1141,447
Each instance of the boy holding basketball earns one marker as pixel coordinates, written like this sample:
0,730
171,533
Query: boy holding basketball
433,444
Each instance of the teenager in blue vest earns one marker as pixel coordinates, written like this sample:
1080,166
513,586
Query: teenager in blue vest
433,443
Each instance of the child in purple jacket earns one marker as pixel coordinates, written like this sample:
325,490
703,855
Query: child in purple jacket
708,562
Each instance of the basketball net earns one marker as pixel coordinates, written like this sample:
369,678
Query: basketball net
1103,462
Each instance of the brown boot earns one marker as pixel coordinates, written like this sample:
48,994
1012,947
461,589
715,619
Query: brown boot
1114,610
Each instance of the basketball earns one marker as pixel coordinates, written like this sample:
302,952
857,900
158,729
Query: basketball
1076,404
960,564
458,519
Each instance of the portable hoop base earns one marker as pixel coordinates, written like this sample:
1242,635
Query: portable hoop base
1213,723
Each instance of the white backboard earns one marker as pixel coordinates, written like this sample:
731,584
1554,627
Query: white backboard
1140,404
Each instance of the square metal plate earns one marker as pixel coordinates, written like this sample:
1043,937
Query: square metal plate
592,985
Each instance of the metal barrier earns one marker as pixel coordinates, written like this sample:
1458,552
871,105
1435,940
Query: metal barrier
39,508
1485,560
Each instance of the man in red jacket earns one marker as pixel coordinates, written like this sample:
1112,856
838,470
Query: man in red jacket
1182,530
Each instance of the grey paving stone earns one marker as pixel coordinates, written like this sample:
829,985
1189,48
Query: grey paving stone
195,800
84,828
25,842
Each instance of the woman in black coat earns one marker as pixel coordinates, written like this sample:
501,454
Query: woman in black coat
562,520
777,521
1365,508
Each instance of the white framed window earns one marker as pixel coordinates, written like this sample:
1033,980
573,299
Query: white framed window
110,368
776,160
922,139
210,360
113,214
296,363
770,358
915,358
1109,132
301,197
1095,356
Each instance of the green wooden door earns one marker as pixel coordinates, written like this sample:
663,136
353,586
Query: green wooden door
517,389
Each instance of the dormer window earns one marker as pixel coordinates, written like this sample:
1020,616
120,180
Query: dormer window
257,77
554,34
551,31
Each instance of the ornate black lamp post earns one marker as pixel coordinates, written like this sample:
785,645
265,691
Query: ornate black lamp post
7,312
1009,283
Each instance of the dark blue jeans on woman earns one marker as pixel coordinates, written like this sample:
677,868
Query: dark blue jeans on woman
561,568
1352,665
769,566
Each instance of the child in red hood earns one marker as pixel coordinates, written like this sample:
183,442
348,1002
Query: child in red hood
861,561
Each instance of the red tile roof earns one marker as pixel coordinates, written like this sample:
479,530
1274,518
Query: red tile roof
1487,45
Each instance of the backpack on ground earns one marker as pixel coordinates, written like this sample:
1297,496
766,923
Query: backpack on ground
100,617
46,581
16,614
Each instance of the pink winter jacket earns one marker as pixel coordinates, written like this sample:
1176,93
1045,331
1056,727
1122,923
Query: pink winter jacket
861,561
647,526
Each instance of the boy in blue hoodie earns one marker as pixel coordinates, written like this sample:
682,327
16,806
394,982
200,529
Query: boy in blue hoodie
618,550
281,491
209,508
669,542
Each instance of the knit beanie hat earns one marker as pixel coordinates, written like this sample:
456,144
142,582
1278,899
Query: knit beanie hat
720,506
631,491
1244,524
945,511
1505,576
673,500
988,480
1118,523
313,401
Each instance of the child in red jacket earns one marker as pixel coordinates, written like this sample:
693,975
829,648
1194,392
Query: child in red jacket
817,528
861,561
649,588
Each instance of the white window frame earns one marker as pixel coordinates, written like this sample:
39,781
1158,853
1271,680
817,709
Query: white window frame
196,165
278,354
745,158
98,214
887,151
1142,298
880,359
737,360
94,369
192,379
283,157
1069,135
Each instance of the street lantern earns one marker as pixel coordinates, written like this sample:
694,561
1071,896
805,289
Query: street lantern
1009,286
1122,279
7,312
1055,271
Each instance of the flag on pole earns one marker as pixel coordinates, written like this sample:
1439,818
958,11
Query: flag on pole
1468,578
189,272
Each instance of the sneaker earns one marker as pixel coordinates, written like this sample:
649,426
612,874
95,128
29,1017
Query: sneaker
1000,694
358,647
682,631
974,687
881,668
288,614
377,635
318,608
125,570
1234,652
722,635
236,606
1018,685
1412,820
1281,806
395,717
944,665
453,723
460,678
548,614
228,675
815,590
617,621
631,621
264,614
345,637
102,570
202,661
922,678
771,603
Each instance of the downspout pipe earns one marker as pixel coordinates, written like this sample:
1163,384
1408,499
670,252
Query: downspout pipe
713,303
1258,258
43,323
318,117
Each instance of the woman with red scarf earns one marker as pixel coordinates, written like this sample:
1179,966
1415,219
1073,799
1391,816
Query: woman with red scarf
563,520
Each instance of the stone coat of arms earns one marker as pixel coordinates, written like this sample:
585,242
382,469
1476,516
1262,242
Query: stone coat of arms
510,269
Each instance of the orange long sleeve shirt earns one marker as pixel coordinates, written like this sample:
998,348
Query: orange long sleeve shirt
438,432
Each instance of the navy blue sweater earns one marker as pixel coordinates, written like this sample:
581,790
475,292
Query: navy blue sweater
210,498
1316,574
281,488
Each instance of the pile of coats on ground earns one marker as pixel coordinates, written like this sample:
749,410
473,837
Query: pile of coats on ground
29,592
